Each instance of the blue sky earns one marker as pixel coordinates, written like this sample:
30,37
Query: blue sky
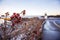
32,7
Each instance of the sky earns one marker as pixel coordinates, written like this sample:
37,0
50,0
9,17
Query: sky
32,7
